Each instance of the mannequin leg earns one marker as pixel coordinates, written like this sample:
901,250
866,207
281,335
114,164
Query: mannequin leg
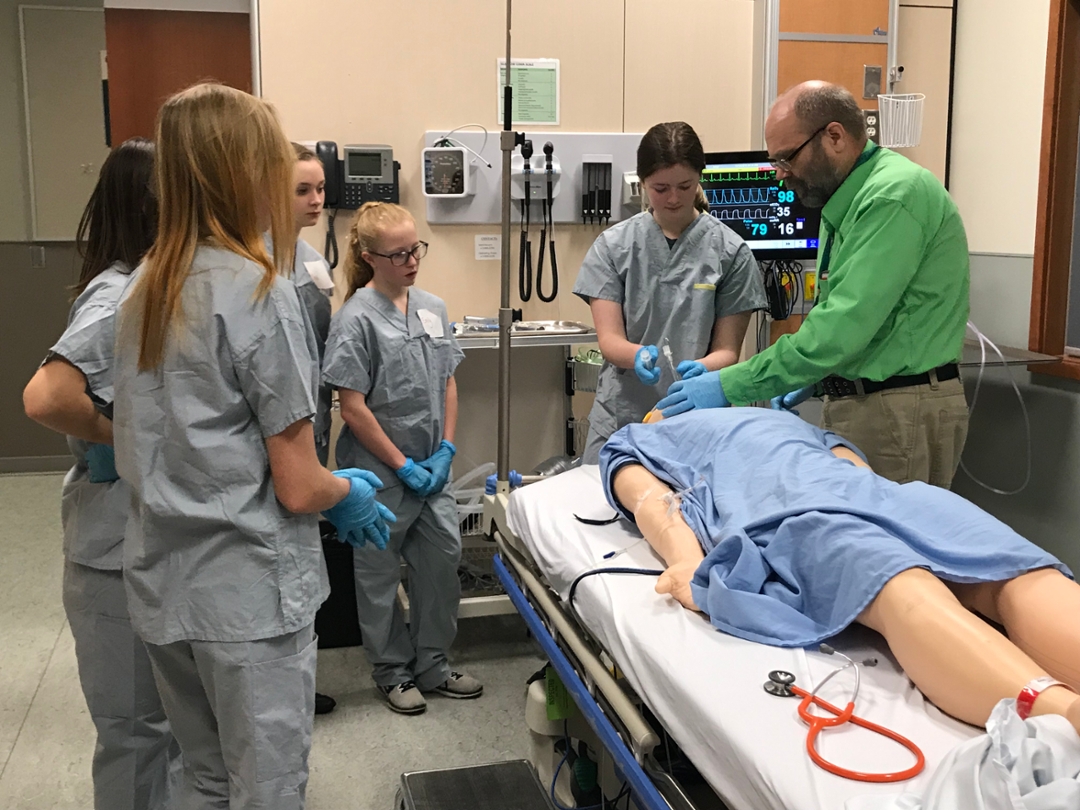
1039,611
962,664
665,529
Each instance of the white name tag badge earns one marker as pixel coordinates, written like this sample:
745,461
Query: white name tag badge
432,323
320,274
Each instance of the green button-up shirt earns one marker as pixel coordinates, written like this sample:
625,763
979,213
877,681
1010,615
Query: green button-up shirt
894,296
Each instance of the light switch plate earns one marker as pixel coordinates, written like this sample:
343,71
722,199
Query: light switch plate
871,83
37,257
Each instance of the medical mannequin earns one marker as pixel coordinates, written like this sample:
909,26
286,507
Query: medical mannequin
961,663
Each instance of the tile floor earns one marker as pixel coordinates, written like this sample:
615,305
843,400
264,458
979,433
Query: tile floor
358,752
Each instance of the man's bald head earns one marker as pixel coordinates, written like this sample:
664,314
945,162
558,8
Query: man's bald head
815,133
816,103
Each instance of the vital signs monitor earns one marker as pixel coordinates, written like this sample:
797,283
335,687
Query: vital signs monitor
744,193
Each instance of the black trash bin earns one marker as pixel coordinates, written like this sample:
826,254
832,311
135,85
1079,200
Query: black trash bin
336,623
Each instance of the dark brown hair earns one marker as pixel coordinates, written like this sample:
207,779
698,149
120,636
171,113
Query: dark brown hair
119,221
667,145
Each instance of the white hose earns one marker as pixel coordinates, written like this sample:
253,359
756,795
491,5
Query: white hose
984,341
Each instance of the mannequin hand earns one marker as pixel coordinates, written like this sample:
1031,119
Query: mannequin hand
697,392
644,361
688,369
358,517
415,477
675,581
438,464
788,401
101,464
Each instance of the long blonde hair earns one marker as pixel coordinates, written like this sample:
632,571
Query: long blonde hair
222,158
367,226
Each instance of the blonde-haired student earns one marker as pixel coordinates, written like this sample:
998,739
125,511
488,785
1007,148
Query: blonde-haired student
216,373
392,357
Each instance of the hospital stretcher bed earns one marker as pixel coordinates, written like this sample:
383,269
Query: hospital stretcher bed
703,686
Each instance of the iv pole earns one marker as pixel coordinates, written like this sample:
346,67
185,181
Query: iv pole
509,141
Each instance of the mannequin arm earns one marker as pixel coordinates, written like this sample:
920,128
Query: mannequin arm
642,493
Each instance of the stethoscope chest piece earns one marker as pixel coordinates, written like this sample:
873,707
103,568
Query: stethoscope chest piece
779,683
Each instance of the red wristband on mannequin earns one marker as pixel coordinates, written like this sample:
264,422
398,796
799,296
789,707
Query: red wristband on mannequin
1025,701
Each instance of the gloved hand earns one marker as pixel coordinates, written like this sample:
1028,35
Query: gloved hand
644,361
358,517
415,477
688,369
438,464
697,392
788,401
101,464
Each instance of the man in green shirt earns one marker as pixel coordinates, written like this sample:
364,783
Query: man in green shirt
883,339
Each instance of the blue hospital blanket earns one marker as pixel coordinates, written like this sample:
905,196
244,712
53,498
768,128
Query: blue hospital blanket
797,541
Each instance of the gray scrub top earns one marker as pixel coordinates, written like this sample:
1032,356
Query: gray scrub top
93,515
317,304
676,292
399,365
210,554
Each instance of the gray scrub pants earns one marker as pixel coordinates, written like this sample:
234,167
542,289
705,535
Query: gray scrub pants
136,759
427,536
242,712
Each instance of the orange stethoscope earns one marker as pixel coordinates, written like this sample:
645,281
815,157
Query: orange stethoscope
782,684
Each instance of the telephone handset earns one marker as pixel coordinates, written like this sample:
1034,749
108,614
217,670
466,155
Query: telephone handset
368,173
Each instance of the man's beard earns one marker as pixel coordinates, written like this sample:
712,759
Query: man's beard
819,181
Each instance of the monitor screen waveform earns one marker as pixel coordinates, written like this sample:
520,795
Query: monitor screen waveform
745,194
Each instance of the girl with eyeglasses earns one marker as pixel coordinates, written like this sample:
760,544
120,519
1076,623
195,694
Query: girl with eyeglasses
391,356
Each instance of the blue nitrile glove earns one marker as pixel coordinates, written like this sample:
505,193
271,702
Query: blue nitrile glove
101,464
688,369
792,399
415,477
643,365
358,517
697,392
438,464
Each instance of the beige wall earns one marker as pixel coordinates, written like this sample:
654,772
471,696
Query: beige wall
997,121
399,67
397,84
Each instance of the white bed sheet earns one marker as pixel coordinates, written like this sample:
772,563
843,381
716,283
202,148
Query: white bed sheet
705,686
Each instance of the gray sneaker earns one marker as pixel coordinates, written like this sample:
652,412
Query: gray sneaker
404,698
460,686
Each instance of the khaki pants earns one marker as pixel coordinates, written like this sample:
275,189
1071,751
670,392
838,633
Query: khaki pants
907,434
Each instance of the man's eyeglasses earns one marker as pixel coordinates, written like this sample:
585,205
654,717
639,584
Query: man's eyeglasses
784,163
401,258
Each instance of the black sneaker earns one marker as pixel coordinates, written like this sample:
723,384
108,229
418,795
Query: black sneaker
404,698
324,704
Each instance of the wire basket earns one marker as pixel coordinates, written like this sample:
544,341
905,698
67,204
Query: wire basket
476,571
581,434
585,376
901,119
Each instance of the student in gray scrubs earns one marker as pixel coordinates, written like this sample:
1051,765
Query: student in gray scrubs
315,284
672,273
72,394
391,356
215,384
312,275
